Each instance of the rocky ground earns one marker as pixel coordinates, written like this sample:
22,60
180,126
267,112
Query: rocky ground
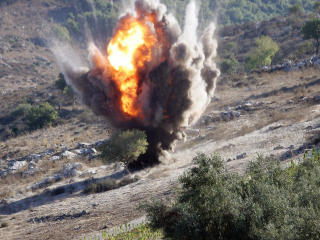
274,114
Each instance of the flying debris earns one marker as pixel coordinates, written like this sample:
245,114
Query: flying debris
152,75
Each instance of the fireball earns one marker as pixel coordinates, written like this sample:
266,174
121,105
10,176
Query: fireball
128,53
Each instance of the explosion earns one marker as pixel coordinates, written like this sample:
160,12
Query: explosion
151,75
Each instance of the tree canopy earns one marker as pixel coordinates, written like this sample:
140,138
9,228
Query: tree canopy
311,30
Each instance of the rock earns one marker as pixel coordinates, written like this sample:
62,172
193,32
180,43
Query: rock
279,147
241,156
46,182
69,155
16,165
206,120
316,98
55,158
83,145
88,173
98,143
35,157
86,151
228,116
48,152
119,166
286,155
71,170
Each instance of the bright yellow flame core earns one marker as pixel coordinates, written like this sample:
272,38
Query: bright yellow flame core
128,51
121,49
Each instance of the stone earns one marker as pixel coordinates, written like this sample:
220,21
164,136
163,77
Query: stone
83,145
99,143
86,151
241,156
55,158
69,155
71,170
16,165
279,147
35,157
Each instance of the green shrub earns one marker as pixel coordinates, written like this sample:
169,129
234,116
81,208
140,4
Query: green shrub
62,85
296,9
109,184
229,65
304,48
61,32
316,7
262,55
125,147
61,82
311,30
40,116
267,203
98,187
72,25
21,110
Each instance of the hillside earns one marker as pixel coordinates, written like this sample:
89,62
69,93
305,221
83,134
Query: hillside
45,172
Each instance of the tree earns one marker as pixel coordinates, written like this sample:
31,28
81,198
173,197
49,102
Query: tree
64,87
125,147
229,65
262,55
311,30
316,7
61,82
296,9
268,202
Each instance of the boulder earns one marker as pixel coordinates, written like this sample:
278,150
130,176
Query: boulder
241,156
86,151
16,165
83,145
69,155
55,158
71,170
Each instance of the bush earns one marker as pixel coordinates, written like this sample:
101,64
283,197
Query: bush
62,85
125,147
61,32
311,30
40,116
61,82
262,55
267,203
229,65
296,9
98,187
109,184
21,110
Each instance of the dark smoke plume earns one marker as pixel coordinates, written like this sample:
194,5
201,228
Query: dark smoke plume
176,86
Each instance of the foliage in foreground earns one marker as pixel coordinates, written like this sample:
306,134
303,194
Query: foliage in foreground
125,147
267,203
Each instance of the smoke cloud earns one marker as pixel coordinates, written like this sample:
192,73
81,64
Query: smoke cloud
172,82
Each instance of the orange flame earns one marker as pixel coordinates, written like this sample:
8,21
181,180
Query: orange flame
128,52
